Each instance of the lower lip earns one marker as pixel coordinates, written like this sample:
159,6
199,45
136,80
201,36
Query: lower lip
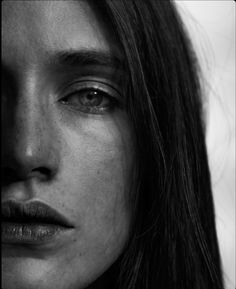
34,233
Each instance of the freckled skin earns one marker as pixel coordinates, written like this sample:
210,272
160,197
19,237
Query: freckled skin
91,155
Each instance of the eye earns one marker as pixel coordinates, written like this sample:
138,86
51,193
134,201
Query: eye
91,98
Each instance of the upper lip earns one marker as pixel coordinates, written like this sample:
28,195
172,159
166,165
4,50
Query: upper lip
33,212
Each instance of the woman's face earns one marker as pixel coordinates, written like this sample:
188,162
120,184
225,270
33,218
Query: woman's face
66,143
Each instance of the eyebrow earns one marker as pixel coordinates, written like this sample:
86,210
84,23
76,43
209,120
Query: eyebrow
77,58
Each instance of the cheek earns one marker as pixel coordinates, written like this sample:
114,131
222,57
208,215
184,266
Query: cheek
99,192
96,168
97,161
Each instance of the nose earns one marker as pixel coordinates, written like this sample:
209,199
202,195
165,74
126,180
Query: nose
29,148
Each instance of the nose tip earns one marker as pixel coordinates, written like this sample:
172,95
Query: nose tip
28,152
19,165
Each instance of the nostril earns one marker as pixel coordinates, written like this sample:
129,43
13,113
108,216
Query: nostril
10,175
43,171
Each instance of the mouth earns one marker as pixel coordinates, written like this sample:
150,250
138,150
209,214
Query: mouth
31,223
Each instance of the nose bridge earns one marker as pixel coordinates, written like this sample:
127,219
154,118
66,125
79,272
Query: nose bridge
30,116
28,126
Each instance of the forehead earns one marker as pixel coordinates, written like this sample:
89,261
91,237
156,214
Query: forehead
45,26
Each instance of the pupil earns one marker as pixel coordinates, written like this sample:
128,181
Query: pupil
92,95
93,98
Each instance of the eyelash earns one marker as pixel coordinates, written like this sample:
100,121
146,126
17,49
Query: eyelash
98,89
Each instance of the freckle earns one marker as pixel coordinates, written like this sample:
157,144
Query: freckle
98,172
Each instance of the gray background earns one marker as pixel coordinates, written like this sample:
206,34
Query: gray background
211,25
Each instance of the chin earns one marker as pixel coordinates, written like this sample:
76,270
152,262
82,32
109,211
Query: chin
36,273
24,273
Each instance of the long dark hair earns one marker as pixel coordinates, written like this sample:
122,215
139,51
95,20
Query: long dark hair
173,242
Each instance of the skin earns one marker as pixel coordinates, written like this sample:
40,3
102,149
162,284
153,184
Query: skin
86,156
